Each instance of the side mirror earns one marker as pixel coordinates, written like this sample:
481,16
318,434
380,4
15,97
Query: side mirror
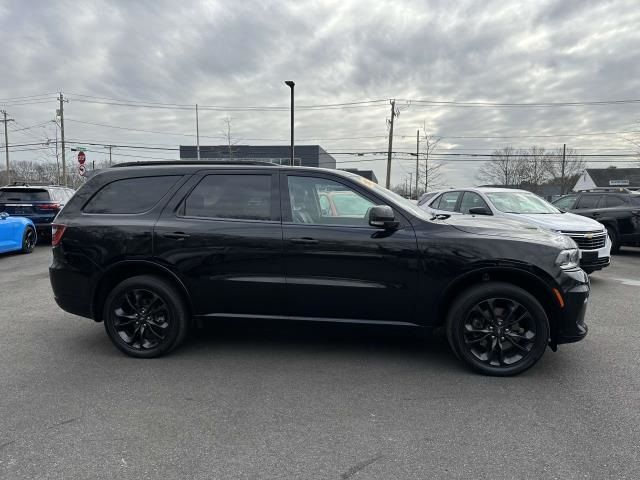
3,215
480,211
382,216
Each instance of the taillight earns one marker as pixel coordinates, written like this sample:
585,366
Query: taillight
57,231
49,206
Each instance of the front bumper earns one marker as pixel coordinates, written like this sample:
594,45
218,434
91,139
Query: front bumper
592,260
570,326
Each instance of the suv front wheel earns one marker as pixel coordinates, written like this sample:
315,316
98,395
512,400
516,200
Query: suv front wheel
145,317
497,329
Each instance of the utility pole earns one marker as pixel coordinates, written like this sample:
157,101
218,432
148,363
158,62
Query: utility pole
109,147
64,161
417,158
291,84
6,143
410,184
197,134
564,157
393,115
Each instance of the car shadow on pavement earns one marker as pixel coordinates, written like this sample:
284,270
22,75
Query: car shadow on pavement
414,344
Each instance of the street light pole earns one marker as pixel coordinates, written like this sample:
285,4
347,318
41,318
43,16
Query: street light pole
291,84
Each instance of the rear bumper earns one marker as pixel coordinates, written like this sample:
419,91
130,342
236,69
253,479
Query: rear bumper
70,290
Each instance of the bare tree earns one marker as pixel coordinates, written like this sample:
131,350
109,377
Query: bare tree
429,173
574,165
504,168
228,135
535,164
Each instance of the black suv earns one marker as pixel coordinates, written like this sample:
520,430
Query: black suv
149,248
618,209
40,204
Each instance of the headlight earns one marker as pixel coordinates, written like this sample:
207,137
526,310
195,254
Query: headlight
568,258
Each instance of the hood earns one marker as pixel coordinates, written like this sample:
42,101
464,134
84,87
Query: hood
568,222
504,227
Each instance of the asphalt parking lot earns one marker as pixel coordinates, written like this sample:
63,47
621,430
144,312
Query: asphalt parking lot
300,402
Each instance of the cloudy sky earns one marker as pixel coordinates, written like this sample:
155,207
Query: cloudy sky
235,54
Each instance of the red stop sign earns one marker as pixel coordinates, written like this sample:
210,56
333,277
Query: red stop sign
81,158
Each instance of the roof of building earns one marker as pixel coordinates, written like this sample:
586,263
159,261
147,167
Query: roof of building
603,176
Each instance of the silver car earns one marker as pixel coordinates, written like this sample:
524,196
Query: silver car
591,236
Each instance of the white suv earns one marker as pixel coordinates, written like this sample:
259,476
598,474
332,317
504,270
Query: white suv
591,236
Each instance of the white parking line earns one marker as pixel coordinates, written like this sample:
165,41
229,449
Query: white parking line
627,281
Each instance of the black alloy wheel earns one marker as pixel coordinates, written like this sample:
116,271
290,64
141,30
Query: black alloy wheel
29,240
145,317
498,329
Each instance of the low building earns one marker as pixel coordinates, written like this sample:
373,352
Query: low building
609,177
304,155
368,174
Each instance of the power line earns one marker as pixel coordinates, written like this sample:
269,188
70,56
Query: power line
453,103
226,108
10,99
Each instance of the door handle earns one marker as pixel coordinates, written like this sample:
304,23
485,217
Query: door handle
176,235
304,241
595,214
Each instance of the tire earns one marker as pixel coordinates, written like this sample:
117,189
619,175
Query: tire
509,349
145,317
615,243
29,239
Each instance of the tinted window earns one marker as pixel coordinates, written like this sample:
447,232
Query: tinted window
472,200
614,201
133,195
448,201
240,197
588,201
320,201
565,203
24,195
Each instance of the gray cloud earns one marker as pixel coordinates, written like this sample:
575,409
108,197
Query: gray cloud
239,53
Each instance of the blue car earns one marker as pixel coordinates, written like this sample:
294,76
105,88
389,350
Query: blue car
16,234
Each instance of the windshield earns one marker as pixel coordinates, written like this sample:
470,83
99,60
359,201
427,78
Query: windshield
520,202
23,195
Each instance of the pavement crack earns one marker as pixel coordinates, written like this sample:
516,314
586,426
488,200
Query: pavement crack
6,444
64,422
360,466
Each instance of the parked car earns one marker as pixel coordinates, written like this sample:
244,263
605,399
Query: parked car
16,234
528,207
618,209
40,204
146,248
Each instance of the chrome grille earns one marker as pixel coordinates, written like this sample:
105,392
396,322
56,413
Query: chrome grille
588,240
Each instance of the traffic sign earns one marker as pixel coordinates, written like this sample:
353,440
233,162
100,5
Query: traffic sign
81,158
82,170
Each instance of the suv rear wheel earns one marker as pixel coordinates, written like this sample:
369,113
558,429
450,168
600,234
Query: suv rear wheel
145,317
615,244
498,329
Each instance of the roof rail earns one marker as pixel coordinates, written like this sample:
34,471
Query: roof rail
605,189
195,162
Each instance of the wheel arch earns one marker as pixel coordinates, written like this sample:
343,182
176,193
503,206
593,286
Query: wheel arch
132,268
533,282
